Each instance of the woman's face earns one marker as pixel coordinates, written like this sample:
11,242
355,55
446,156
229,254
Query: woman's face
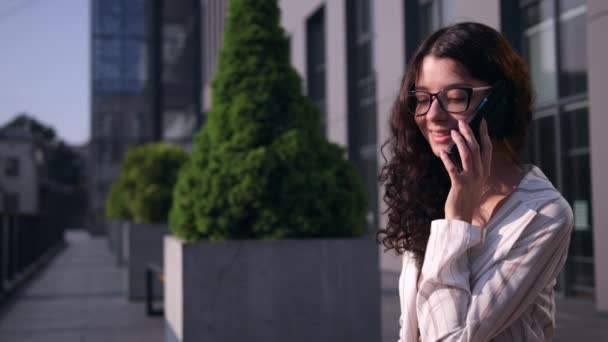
437,74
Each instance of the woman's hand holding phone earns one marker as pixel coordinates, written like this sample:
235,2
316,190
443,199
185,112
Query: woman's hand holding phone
467,184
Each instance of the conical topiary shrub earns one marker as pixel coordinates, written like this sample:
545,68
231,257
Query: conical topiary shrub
260,167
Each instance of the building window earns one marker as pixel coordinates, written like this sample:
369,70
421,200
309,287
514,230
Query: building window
573,60
422,18
315,62
107,21
11,169
362,145
553,36
539,46
430,17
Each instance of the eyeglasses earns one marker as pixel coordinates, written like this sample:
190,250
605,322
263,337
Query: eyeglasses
453,100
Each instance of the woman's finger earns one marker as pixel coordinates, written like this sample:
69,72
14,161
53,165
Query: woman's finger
463,150
473,145
449,166
486,147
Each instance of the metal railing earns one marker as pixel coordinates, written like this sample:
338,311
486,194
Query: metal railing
25,242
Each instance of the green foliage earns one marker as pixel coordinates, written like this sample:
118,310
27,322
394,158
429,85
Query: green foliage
260,167
26,121
63,164
117,206
66,166
144,190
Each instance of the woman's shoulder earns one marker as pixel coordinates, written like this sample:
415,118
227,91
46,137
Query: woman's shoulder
536,207
537,193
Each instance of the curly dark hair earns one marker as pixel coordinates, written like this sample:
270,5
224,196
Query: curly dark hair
415,180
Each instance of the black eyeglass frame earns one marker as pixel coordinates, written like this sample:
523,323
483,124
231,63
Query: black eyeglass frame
469,91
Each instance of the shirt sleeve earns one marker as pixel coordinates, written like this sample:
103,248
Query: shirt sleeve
451,308
408,323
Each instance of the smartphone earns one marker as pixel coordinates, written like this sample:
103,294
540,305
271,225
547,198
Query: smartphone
493,109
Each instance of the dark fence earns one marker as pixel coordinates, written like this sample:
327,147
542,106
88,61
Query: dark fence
25,242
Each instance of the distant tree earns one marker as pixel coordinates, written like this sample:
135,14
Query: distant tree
62,172
62,163
143,191
27,121
65,165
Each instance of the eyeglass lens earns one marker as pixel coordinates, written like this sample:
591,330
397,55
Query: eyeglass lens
451,100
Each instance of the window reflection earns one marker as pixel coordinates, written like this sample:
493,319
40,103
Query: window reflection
108,18
430,18
315,62
566,5
545,131
575,127
573,47
134,60
108,49
539,46
135,14
107,69
178,125
362,101
174,39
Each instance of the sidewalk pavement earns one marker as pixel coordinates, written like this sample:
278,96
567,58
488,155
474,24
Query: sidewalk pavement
78,297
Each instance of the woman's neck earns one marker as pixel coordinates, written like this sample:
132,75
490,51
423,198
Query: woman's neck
505,171
505,176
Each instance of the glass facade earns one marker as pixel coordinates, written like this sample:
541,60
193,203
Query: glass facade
213,19
430,17
145,80
181,70
120,74
554,45
539,44
362,121
315,62
119,43
423,17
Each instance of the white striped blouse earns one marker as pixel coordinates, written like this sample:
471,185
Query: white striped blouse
491,284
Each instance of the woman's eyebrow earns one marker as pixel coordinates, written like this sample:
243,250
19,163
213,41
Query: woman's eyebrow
449,86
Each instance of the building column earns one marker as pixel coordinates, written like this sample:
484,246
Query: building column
597,50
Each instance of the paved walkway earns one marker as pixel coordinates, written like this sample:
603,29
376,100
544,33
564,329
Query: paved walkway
78,297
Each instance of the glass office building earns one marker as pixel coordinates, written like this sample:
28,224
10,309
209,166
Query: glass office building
352,54
367,43
145,80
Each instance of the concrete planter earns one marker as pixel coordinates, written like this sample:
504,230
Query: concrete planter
143,244
115,230
288,290
119,251
108,224
115,239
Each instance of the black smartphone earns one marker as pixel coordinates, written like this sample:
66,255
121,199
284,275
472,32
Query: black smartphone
492,108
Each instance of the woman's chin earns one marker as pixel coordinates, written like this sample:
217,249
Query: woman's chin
437,149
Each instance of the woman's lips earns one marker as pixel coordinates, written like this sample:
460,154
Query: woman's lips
440,137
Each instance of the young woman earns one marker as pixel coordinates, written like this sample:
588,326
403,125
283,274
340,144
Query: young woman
482,242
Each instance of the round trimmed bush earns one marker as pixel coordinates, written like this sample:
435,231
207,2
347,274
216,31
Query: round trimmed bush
143,191
116,206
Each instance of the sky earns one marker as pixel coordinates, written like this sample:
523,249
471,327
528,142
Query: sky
44,64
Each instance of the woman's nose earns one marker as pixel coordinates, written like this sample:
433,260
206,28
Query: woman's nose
436,112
